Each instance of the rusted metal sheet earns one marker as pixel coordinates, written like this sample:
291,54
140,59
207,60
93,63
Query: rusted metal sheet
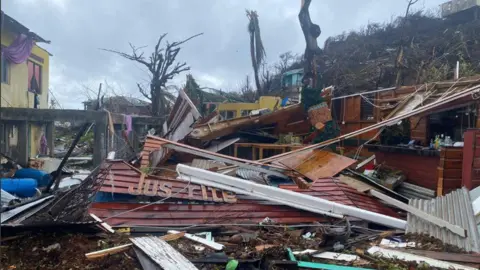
190,206
175,214
334,190
317,164
125,179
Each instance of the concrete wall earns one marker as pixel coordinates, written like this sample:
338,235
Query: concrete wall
264,102
15,94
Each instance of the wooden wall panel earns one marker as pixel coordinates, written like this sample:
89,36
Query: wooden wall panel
471,159
418,129
419,170
352,109
478,116
450,170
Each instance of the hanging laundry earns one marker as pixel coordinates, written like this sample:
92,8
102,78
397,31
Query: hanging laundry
127,119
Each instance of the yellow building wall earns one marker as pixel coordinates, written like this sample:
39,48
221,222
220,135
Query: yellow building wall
264,102
15,94
270,102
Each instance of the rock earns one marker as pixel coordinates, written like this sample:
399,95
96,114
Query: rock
52,247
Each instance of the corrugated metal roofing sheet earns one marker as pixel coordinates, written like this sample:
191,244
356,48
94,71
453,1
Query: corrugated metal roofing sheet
122,178
335,191
456,208
412,191
174,214
190,206
206,163
7,215
251,175
316,164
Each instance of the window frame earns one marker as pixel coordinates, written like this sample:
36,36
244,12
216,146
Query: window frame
364,104
5,67
39,80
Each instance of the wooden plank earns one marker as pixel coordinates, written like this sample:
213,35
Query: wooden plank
387,253
162,253
201,240
114,250
452,173
103,224
451,163
446,256
451,153
145,261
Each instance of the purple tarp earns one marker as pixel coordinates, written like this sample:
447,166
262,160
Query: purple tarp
20,49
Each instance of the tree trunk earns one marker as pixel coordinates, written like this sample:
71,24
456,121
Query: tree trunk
158,102
254,64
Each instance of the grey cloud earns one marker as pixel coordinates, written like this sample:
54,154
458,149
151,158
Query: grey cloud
221,55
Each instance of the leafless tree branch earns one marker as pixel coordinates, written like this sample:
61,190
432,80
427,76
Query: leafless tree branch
162,68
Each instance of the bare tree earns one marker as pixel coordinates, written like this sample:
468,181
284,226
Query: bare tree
286,60
162,67
266,81
257,51
311,32
248,94
400,52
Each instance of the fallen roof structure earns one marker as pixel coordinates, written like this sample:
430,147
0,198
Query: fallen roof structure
445,95
286,197
158,147
205,204
288,118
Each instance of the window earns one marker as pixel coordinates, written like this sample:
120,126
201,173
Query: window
367,109
228,114
5,69
34,77
246,112
337,109
287,81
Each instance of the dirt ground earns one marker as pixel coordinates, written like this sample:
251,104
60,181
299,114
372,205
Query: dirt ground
67,251
31,252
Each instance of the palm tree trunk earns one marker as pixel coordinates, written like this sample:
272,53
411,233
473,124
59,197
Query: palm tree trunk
254,63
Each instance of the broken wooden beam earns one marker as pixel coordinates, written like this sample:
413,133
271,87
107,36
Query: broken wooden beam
114,250
161,253
104,225
200,240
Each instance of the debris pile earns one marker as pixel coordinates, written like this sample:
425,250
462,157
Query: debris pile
210,194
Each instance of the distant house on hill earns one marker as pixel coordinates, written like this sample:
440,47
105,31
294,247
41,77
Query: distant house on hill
121,104
461,9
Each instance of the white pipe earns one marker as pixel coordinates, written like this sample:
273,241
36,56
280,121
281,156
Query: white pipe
257,195
286,197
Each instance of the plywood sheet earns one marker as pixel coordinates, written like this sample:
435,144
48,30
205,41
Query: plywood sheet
317,164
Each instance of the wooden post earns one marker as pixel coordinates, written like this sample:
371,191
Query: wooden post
235,150
49,130
23,142
469,143
3,138
254,153
100,150
260,152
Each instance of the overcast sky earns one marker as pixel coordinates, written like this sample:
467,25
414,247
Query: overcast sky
219,58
